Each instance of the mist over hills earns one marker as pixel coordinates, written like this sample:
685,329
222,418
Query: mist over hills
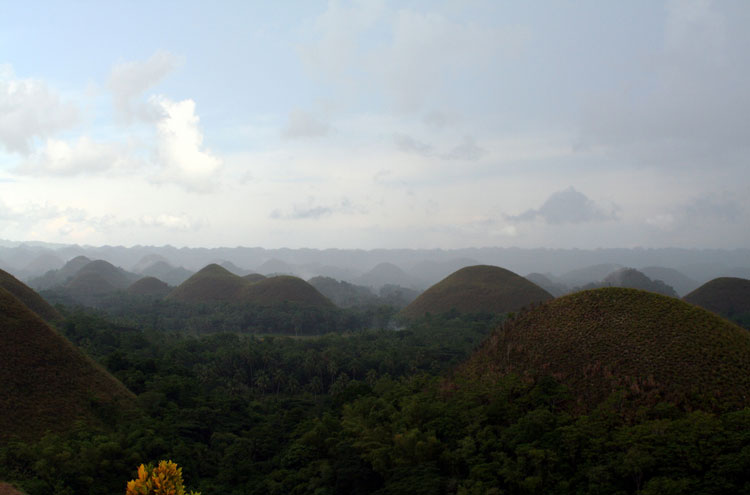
426,265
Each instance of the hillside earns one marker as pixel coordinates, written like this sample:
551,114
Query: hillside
26,295
727,296
274,290
477,289
210,284
253,277
149,286
674,278
45,382
633,279
653,347
60,277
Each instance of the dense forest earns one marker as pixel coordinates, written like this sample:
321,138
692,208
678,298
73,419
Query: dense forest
358,410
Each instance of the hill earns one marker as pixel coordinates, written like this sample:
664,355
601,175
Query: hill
545,282
385,274
674,278
633,279
343,294
27,296
210,284
45,382
727,296
54,278
655,348
253,277
149,286
477,289
274,290
166,272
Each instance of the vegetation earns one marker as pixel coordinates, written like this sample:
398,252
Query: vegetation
727,296
478,288
149,286
655,348
164,479
26,295
47,383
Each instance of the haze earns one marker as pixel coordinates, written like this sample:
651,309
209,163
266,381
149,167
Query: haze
376,124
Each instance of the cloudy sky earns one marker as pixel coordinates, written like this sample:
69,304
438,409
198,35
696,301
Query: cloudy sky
434,124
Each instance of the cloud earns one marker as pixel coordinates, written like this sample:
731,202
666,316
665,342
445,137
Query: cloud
408,144
171,222
129,80
313,211
568,206
81,157
701,210
687,106
30,109
179,148
303,125
468,151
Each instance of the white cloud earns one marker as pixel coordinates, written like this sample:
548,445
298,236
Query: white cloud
408,144
568,206
468,150
81,157
179,148
30,109
303,125
312,210
170,222
129,80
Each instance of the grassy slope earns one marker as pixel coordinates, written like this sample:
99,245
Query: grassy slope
725,295
596,341
149,286
474,289
31,299
45,382
215,283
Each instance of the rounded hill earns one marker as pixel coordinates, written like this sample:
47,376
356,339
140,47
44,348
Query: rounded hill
653,347
274,290
47,384
477,289
727,296
26,295
212,283
149,286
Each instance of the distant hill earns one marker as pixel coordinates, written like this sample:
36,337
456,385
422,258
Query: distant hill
210,284
215,283
343,294
147,261
149,286
55,278
46,384
97,278
474,289
727,296
434,271
388,273
654,348
586,275
680,282
557,289
173,275
633,279
253,277
235,269
275,267
26,295
274,290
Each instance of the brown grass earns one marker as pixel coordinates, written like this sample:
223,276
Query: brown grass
45,382
726,296
652,346
31,299
475,289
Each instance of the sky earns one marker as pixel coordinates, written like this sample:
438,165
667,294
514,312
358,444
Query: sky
376,124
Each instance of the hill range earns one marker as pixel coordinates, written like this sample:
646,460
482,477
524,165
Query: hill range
477,289
653,347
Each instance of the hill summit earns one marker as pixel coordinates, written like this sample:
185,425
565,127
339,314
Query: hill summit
727,296
215,283
45,382
477,289
655,348
28,296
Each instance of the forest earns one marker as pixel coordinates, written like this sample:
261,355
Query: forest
348,405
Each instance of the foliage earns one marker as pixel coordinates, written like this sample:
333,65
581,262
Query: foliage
164,479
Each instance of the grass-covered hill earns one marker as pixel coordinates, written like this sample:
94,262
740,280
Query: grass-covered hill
634,279
655,348
727,296
54,278
47,384
253,277
477,289
274,290
25,294
100,276
212,283
217,284
149,286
